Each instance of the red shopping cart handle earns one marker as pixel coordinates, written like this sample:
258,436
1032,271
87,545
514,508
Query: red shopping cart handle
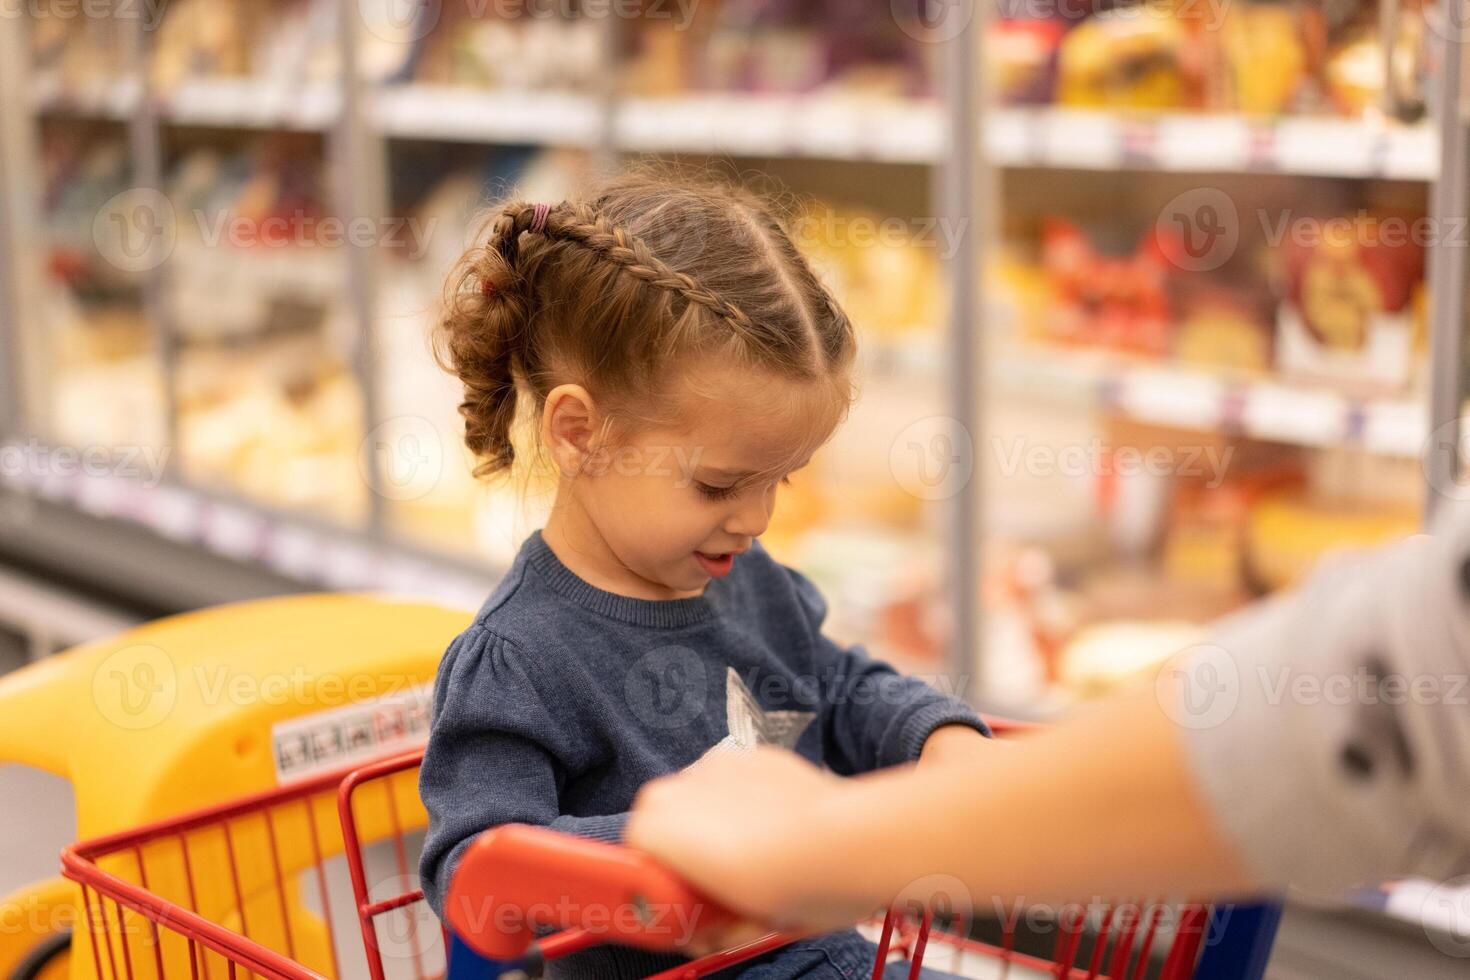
517,879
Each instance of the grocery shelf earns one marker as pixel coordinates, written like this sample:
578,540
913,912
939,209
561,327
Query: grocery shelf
1045,145
250,103
794,126
432,112
296,547
1211,143
885,130
1196,398
93,97
243,103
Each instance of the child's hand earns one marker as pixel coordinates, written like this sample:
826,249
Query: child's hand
738,826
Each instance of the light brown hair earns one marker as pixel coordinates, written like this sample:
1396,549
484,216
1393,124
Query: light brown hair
620,288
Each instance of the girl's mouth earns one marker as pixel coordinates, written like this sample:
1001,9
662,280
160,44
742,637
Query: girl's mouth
716,566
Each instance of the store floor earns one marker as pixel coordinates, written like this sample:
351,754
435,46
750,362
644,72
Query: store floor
37,819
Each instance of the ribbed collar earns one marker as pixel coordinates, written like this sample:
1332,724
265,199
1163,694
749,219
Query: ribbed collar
658,613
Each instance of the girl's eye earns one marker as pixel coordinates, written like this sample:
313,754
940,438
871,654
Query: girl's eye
718,493
725,493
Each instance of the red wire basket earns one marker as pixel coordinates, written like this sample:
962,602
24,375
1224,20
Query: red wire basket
276,884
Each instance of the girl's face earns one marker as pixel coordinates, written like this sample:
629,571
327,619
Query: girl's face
673,507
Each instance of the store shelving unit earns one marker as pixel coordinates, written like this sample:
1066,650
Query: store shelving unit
357,118
967,143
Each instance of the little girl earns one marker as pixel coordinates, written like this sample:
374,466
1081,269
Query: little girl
682,359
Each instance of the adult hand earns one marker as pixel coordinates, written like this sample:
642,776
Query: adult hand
740,827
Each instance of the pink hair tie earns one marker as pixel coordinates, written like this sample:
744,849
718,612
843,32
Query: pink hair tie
538,220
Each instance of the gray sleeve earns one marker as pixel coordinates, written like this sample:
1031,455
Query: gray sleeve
1328,729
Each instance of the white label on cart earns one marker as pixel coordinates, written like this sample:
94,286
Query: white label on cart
332,738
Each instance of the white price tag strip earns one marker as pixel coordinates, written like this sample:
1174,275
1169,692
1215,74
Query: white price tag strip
1170,397
1395,428
174,512
234,532
349,566
1330,147
102,495
1081,139
1307,418
335,736
1202,143
1009,136
294,551
1411,153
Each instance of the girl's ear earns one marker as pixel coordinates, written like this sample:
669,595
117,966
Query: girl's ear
568,423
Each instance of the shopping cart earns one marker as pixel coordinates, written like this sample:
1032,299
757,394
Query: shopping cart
269,886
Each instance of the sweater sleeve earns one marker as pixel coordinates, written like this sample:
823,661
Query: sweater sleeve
496,754
872,716
1326,729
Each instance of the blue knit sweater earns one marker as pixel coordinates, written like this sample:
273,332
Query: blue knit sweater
562,699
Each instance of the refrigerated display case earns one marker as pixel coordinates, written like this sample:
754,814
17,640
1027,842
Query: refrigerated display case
1100,276
300,427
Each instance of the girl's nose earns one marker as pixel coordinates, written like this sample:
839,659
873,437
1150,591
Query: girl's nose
753,515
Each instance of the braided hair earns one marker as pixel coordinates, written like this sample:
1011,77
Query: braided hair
616,290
